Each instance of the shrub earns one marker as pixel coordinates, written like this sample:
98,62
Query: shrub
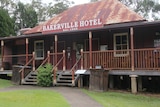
45,75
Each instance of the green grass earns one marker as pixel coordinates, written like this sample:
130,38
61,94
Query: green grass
115,99
5,83
32,98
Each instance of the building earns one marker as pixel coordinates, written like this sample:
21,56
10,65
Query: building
105,33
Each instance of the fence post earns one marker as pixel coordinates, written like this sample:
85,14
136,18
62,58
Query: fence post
81,58
54,76
73,82
27,49
48,55
33,61
22,76
64,61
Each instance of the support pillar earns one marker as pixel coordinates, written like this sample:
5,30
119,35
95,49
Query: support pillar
56,39
134,83
81,59
80,81
111,82
2,55
27,49
54,76
48,55
132,48
34,63
140,88
90,49
64,60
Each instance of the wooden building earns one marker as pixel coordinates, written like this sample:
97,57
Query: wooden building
105,33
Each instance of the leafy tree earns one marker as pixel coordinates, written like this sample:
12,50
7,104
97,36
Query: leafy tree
146,8
6,24
6,4
24,16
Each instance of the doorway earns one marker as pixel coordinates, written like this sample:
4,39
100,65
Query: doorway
73,54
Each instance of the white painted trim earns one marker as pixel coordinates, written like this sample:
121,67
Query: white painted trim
114,44
39,41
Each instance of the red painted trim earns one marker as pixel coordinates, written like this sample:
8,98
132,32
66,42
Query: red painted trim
90,49
132,48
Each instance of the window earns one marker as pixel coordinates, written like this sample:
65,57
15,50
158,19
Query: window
39,49
121,44
157,40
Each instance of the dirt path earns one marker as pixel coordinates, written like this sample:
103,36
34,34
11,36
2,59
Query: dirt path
74,96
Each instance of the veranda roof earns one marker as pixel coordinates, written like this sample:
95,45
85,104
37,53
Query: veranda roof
104,12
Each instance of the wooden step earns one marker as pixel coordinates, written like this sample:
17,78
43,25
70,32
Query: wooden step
64,84
29,83
64,81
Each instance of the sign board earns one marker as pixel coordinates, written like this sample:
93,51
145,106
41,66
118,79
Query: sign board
71,26
80,71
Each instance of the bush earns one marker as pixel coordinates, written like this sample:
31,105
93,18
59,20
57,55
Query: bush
45,75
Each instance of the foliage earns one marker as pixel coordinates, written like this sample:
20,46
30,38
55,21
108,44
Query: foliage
115,99
32,98
6,24
5,83
25,16
147,8
45,75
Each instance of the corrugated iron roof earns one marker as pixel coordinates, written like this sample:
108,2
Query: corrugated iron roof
109,11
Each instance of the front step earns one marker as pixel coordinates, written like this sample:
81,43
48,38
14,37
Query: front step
65,79
31,79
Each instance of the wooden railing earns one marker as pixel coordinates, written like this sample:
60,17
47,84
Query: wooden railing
148,59
73,69
20,59
108,59
32,60
55,68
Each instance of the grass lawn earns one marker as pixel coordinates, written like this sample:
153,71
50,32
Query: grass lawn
5,83
32,98
115,99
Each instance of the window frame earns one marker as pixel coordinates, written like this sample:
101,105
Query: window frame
35,49
115,45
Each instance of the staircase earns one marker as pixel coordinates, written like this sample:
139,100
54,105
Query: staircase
30,79
65,79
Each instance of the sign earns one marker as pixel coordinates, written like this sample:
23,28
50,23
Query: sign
80,71
71,26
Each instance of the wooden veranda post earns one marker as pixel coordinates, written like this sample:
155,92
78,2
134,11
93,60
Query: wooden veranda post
27,49
56,39
48,55
54,76
132,48
34,68
81,58
22,76
90,49
2,54
64,61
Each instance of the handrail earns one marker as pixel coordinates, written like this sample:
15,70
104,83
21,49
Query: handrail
7,56
26,64
42,63
73,71
57,64
76,63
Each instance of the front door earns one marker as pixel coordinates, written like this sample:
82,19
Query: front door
73,54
